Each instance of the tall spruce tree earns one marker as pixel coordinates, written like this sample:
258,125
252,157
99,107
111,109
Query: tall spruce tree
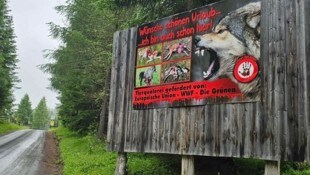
83,63
80,71
24,111
7,60
41,116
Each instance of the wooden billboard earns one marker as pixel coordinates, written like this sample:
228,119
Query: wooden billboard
274,128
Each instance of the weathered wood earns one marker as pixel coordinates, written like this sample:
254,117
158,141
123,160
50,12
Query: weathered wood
275,128
272,168
307,74
102,129
188,165
113,84
121,168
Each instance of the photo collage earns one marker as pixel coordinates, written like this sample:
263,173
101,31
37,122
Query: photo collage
164,63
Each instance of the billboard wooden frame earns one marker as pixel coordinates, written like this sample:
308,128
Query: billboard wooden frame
275,128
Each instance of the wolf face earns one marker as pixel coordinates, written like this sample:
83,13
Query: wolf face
235,35
223,42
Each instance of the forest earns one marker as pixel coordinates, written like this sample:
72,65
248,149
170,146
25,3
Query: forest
81,65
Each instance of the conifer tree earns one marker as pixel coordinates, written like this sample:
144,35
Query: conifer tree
24,111
41,116
7,60
80,71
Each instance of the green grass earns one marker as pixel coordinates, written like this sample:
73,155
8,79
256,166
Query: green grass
84,154
6,127
87,155
296,168
151,164
256,167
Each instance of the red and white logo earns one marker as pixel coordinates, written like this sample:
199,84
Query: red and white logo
246,69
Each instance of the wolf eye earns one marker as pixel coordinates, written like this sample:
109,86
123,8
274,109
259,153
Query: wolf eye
221,31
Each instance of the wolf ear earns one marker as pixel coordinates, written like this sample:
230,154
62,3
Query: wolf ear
253,20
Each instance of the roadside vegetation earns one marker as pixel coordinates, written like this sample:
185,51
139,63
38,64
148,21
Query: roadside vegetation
88,155
6,127
295,168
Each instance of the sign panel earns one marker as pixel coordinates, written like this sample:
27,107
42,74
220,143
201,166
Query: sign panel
204,56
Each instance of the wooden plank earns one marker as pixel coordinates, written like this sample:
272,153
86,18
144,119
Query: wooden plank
130,74
148,134
291,79
121,164
302,81
121,88
210,130
272,168
112,101
282,82
176,131
188,165
168,130
307,44
256,149
264,71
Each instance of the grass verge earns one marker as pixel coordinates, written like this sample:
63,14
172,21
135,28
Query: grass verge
295,168
6,127
87,155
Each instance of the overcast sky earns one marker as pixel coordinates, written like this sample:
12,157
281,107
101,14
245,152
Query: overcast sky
30,25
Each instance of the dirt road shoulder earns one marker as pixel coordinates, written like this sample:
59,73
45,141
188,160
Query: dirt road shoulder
51,162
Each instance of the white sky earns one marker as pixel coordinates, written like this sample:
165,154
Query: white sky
30,24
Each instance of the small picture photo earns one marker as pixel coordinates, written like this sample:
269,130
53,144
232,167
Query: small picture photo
148,76
176,71
149,55
177,49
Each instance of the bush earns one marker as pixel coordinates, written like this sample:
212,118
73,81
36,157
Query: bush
295,168
153,164
6,127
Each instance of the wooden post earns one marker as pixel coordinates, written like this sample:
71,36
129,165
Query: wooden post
188,165
272,168
102,123
121,168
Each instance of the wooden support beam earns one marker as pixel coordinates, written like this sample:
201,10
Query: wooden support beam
272,168
188,165
121,168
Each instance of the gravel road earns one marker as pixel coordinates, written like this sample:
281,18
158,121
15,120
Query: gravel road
21,152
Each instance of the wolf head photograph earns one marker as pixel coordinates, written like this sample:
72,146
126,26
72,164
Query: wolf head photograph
235,35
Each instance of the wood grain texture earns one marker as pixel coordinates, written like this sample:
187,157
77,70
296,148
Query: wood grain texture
188,165
272,168
275,128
